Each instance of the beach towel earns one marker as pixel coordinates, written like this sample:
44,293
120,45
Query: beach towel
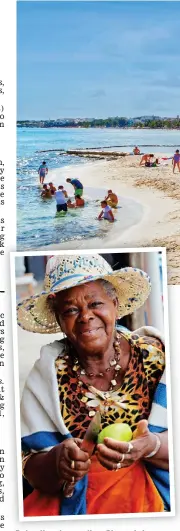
40,407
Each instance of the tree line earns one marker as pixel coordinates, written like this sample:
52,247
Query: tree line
116,122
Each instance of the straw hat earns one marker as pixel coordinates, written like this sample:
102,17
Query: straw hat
66,271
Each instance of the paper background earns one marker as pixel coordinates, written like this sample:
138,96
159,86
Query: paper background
8,440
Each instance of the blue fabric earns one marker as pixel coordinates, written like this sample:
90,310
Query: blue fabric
160,395
69,277
42,439
155,429
161,480
77,183
77,503
158,475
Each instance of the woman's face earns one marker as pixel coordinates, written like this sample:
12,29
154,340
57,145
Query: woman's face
87,316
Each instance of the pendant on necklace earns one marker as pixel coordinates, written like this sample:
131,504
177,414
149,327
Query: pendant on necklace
113,382
112,363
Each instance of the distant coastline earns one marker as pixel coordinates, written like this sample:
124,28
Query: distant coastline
141,122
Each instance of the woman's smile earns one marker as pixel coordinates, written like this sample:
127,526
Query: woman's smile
90,331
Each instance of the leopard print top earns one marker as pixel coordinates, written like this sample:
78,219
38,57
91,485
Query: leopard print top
129,403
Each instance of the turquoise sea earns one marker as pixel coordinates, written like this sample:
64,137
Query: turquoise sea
37,225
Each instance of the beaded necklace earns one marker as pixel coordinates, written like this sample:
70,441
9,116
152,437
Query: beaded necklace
113,365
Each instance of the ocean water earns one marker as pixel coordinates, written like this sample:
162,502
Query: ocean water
37,224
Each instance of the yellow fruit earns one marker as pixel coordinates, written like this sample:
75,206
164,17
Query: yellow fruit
118,431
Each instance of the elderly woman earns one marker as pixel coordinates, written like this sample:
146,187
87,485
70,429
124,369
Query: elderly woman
96,367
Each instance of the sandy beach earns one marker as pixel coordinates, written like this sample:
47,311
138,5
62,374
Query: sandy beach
156,190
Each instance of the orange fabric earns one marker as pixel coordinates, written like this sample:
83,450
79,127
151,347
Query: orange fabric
39,504
129,490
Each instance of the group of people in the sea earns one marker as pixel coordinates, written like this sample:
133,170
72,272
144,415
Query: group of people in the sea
63,202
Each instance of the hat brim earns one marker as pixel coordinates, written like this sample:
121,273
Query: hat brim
131,284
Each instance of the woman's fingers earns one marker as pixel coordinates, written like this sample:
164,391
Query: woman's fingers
78,442
77,472
112,455
75,453
119,446
81,465
71,461
78,466
106,462
74,473
112,452
111,464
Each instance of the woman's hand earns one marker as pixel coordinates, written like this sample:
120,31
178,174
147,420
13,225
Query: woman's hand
112,452
72,463
47,471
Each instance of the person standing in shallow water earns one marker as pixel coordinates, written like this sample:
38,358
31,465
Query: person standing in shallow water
78,187
42,171
61,204
63,190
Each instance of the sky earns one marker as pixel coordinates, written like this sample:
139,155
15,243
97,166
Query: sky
98,59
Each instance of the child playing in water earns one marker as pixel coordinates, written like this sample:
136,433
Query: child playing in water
79,202
106,212
52,188
46,193
112,199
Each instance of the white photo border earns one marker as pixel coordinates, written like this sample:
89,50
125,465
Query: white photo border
59,518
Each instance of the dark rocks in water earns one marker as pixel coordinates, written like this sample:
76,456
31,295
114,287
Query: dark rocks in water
94,153
88,153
